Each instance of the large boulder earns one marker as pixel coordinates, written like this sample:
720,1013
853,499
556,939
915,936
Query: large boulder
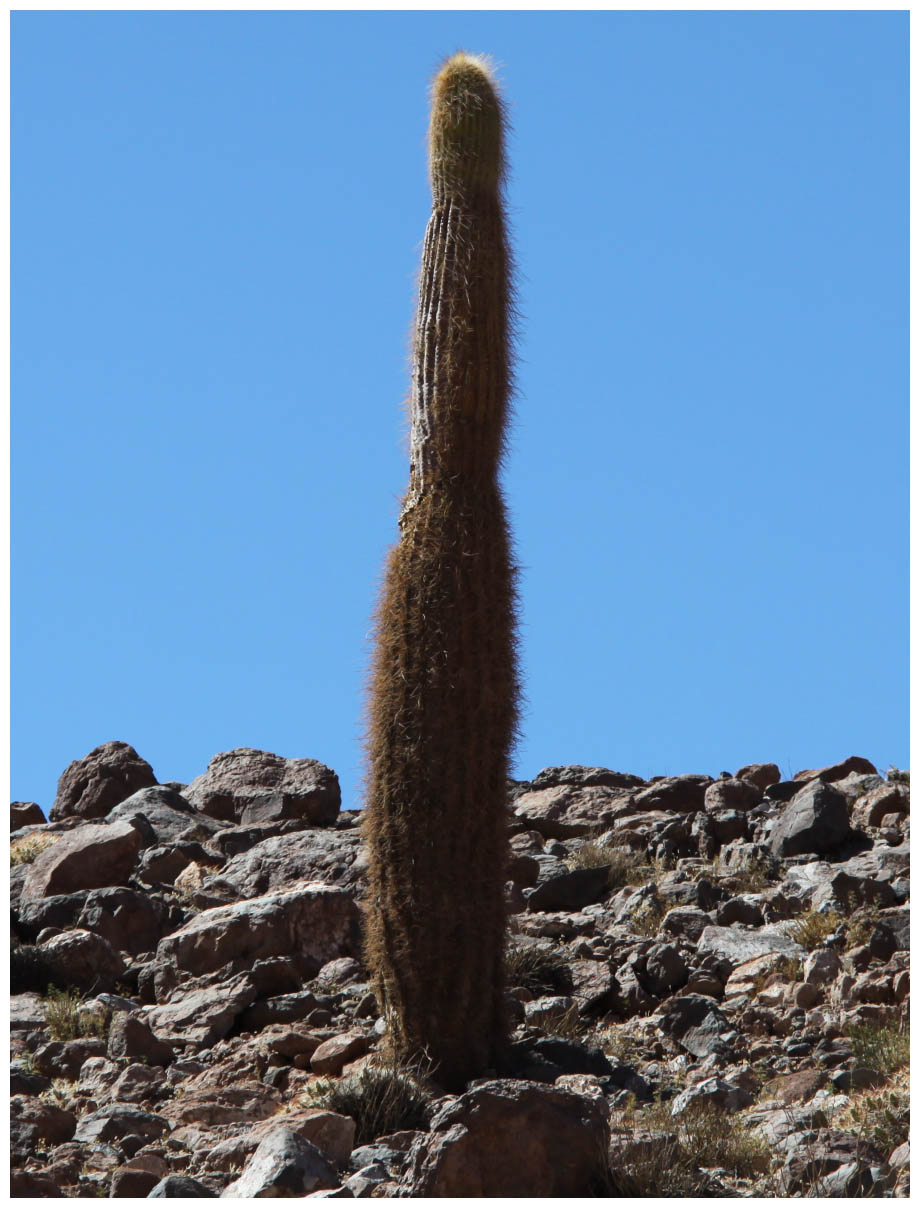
563,811
332,856
839,771
87,857
168,815
81,959
309,921
250,786
285,1164
25,813
202,1016
511,1138
95,784
678,794
733,946
815,820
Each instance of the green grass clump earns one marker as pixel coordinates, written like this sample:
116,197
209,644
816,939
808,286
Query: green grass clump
381,1099
884,1048
68,1018
883,1120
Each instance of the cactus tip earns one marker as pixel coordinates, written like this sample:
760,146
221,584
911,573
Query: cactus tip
467,122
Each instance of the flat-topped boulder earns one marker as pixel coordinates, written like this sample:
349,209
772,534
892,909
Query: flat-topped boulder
250,786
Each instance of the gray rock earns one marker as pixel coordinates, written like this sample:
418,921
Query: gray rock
696,1023
815,820
178,1187
711,1093
130,921
332,856
116,1121
250,786
686,922
204,1016
732,946
81,959
680,794
284,1164
310,922
563,811
92,786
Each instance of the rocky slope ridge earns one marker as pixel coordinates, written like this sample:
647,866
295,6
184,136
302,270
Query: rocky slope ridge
708,990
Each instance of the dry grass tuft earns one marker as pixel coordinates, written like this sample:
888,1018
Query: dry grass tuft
68,1017
538,969
26,849
381,1099
812,928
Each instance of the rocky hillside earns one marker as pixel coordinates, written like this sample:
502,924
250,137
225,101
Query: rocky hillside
708,991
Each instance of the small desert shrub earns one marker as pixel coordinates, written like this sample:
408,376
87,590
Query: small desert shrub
751,877
26,849
566,1023
646,920
380,1099
883,1120
674,1165
860,925
789,968
625,866
885,1048
540,970
68,1018
813,927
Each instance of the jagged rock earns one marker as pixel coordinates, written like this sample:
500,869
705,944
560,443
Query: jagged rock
130,921
137,1083
116,1121
563,811
665,969
678,794
696,1023
511,1138
807,1167
565,888
711,1093
88,857
50,1123
130,1037
331,856
584,777
743,909
309,921
332,1054
735,945
284,1164
167,814
80,958
95,784
332,1134
815,820
250,786
837,771
202,1016
180,1187
25,813
686,922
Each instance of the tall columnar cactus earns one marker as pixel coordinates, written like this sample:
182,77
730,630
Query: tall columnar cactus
444,690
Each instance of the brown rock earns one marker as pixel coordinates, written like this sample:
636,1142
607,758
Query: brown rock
63,1058
25,813
511,1138
52,1123
80,958
93,785
250,786
760,774
332,856
331,1133
309,921
131,1037
566,810
797,1087
674,794
88,857
872,809
731,794
838,771
332,1054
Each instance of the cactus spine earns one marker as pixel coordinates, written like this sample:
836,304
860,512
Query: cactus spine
444,688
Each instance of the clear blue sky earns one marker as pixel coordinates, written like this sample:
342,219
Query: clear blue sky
216,225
